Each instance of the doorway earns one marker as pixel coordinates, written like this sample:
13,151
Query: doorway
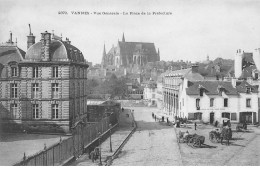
211,120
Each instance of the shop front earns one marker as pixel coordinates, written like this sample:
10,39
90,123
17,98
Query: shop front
249,117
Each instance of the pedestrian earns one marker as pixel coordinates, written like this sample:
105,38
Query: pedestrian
162,118
245,125
167,120
122,109
216,123
155,117
152,115
92,156
195,124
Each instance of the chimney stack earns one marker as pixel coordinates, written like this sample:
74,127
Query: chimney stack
30,38
11,37
45,41
195,68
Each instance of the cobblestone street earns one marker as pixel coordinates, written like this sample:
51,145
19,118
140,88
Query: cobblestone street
155,144
152,144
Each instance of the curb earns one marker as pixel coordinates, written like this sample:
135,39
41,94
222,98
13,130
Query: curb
111,158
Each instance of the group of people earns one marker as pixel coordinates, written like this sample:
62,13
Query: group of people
94,154
155,118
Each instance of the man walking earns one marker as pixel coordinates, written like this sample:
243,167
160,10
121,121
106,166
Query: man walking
195,124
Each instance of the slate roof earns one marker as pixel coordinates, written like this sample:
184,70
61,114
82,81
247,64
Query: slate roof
59,51
129,48
242,87
185,73
211,87
11,53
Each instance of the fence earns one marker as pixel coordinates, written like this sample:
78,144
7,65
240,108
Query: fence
72,147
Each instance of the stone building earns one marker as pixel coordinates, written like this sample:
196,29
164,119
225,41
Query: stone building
44,89
171,88
131,55
210,101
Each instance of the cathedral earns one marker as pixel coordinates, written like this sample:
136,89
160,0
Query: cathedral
129,55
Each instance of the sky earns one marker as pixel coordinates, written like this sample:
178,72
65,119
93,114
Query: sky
195,29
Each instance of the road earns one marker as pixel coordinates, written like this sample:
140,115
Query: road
153,143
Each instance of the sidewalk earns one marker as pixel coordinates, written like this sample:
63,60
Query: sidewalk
124,129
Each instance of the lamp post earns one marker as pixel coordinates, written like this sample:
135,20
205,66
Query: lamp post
99,139
110,127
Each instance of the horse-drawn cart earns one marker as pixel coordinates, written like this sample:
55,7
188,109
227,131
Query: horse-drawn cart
219,134
192,140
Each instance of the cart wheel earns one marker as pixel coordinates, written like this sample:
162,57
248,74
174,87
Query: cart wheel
190,142
196,143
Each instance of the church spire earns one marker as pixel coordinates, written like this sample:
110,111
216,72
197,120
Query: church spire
104,56
123,38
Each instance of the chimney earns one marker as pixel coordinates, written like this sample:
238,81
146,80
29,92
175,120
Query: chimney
234,82
11,37
68,41
45,40
195,68
30,38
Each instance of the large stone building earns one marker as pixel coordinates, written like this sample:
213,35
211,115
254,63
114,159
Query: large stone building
130,56
171,88
44,89
210,101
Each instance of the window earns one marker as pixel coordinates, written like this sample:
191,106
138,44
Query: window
55,71
55,111
226,115
248,90
35,111
153,95
198,104
211,102
233,116
198,116
13,71
14,110
55,90
35,90
14,90
201,92
195,116
225,102
182,102
35,72
248,102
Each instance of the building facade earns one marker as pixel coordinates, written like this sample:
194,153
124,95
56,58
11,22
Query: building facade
130,55
172,81
150,91
209,101
47,88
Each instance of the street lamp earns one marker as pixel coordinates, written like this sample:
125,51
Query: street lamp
110,127
99,139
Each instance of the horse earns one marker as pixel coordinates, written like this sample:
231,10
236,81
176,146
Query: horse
226,134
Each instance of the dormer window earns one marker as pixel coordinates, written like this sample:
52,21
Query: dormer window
248,90
221,90
201,90
14,71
